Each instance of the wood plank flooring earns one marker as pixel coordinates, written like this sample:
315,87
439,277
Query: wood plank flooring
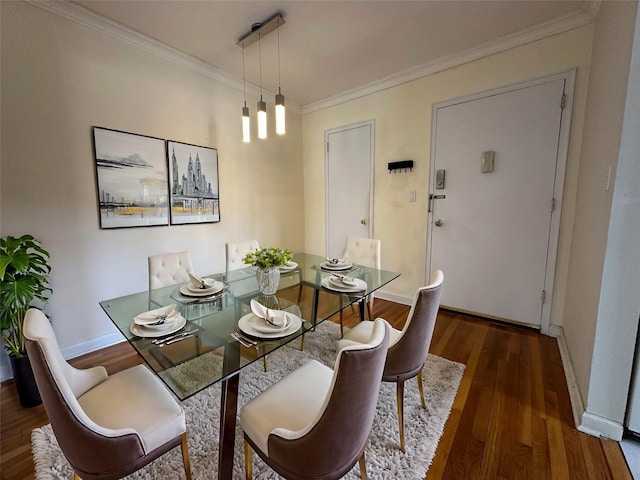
511,418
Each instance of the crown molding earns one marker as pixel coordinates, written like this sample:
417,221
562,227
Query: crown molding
89,19
82,16
537,32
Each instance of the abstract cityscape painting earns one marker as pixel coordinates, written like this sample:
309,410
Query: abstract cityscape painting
193,183
132,179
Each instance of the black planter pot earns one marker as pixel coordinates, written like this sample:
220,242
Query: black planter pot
25,381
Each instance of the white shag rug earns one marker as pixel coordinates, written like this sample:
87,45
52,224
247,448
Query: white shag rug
423,427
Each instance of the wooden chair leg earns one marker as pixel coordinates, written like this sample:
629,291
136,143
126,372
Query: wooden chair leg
248,463
421,389
341,323
265,363
369,310
363,467
185,456
75,476
400,401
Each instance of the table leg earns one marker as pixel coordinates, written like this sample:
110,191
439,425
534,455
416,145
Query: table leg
314,308
361,307
228,411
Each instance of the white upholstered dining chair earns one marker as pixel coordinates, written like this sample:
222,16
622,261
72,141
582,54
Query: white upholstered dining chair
408,347
235,252
107,426
315,422
169,269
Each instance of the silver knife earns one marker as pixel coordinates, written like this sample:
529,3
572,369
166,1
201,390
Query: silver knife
180,338
171,337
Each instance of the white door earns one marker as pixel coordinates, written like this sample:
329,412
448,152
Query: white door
349,177
491,232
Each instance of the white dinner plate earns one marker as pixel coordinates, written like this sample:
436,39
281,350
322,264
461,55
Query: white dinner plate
347,282
246,325
172,327
186,291
289,266
262,326
336,266
359,287
213,286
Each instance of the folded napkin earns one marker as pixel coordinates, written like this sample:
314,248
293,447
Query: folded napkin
336,261
275,318
159,316
343,279
197,282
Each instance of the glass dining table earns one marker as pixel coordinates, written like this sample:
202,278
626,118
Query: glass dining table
213,343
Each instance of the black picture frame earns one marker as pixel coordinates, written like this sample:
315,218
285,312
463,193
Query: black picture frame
131,179
194,188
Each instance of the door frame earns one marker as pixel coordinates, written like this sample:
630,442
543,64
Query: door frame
372,129
558,188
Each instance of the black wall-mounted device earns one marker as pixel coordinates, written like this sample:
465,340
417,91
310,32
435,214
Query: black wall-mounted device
403,165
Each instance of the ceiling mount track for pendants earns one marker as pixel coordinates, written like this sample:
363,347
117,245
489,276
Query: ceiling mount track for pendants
260,30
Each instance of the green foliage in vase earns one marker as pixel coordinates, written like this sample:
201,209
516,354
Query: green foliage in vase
267,257
24,270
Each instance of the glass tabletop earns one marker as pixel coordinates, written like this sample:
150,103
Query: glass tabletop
204,351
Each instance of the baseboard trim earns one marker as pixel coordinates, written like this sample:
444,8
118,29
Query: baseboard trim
392,297
577,405
601,427
74,351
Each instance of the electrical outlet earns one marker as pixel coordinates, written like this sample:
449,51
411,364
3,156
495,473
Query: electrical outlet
412,196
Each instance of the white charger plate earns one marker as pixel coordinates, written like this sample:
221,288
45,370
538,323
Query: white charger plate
360,286
246,325
347,283
336,266
289,266
186,291
167,329
262,326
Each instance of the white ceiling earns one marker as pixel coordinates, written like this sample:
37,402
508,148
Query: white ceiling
328,48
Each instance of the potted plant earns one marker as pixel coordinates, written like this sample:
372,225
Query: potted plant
268,260
24,270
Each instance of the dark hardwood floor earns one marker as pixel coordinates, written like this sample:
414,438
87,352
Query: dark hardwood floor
511,418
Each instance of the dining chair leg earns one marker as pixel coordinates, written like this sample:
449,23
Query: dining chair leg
185,456
265,362
75,476
341,322
363,467
421,389
400,400
302,343
248,461
369,310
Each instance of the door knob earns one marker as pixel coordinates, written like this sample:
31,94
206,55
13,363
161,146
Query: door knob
438,223
364,221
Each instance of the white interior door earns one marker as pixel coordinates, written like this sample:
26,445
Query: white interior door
490,234
349,179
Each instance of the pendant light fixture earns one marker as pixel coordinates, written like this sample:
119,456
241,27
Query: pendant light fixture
262,106
246,121
258,30
280,112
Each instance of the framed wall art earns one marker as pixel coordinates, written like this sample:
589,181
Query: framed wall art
193,183
132,180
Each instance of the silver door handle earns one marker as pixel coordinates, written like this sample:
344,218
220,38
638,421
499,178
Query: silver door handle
438,223
364,221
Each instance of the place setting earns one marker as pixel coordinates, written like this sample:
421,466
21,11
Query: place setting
199,289
290,265
160,322
343,283
265,322
336,264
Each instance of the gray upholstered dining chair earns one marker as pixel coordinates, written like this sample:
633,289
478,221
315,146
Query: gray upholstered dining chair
169,269
107,426
362,251
315,422
408,347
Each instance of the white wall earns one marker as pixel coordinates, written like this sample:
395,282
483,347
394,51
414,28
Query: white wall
613,116
58,80
403,128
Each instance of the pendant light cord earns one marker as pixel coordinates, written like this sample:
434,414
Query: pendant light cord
244,81
260,57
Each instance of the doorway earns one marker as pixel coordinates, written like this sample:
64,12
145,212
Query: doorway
498,162
349,184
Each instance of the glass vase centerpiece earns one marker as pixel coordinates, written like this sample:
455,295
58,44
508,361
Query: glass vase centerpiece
267,260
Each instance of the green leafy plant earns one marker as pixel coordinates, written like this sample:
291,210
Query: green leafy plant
24,270
267,257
